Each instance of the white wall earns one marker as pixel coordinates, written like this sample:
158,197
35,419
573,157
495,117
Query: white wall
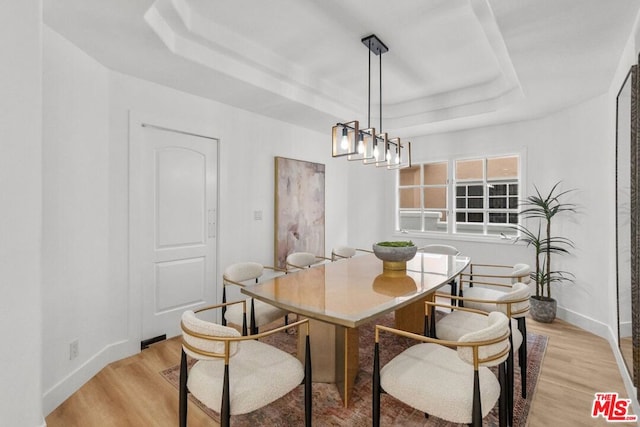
20,203
370,193
572,146
76,206
86,201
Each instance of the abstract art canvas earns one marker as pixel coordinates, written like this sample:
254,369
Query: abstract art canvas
299,208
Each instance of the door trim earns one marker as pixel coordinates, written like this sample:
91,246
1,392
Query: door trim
149,125
137,122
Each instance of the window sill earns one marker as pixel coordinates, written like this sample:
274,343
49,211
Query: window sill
498,240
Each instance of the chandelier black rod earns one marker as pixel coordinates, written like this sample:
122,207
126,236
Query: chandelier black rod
380,93
369,90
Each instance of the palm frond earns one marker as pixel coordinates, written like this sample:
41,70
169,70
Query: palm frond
543,208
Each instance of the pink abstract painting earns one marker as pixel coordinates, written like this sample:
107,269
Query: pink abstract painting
299,208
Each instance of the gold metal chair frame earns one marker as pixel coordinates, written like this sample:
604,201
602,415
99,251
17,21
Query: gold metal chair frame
471,276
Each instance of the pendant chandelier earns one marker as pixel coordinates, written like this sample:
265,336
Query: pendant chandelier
348,139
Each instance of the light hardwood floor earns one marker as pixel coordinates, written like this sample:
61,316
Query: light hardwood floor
130,392
577,365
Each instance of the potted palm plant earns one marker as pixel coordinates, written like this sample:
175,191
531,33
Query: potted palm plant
542,209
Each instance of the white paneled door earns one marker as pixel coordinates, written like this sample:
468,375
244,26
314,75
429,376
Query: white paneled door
177,225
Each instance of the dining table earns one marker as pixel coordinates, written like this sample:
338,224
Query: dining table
340,296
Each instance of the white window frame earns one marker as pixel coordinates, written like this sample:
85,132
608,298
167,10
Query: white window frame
452,229
423,212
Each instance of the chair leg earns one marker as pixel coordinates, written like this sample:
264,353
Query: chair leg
376,386
522,356
254,327
425,327
430,323
502,408
510,385
183,390
432,327
454,292
244,324
308,392
476,414
225,412
224,307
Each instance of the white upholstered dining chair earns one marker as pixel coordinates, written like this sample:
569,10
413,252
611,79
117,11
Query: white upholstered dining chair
301,260
484,291
515,305
341,252
455,385
237,374
260,313
452,286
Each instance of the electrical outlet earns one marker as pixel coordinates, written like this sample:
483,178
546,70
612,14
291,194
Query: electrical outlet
257,215
73,349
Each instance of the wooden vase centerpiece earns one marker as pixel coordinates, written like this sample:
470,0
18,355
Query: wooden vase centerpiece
394,255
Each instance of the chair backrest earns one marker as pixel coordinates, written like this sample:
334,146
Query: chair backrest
518,291
241,271
521,273
488,355
342,252
191,324
301,259
440,249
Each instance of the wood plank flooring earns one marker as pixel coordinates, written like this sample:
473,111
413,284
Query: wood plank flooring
577,365
131,392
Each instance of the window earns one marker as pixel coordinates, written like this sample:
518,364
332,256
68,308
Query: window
423,197
479,195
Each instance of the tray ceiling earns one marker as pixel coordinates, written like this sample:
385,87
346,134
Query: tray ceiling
451,63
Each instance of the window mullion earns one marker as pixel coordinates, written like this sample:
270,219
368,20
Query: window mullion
485,194
422,201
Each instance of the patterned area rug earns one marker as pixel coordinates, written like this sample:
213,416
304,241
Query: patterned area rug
327,405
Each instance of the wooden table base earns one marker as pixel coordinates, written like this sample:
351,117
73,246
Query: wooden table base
411,317
334,355
335,348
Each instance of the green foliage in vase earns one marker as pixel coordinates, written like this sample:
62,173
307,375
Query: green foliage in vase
397,244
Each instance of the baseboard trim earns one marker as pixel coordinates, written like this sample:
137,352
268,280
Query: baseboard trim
624,372
587,323
53,397
605,331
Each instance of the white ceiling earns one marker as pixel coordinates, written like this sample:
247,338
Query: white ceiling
451,63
